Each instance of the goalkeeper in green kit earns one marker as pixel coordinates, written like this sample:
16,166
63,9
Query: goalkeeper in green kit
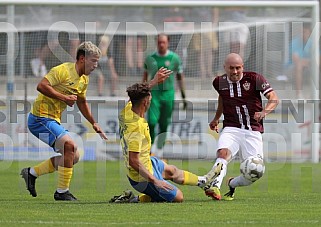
163,95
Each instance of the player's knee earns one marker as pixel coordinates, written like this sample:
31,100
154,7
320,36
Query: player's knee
70,148
179,197
170,171
224,153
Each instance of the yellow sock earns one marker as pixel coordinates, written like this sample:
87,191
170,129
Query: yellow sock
44,168
144,198
190,178
64,177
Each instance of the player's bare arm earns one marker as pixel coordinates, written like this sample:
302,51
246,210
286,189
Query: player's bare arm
272,103
84,109
46,89
161,75
214,123
181,81
136,164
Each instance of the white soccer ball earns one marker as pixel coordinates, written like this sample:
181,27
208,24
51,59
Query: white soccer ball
252,168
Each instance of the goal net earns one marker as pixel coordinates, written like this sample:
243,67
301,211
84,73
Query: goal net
270,36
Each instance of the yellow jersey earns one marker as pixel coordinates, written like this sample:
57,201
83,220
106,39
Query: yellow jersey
64,79
134,137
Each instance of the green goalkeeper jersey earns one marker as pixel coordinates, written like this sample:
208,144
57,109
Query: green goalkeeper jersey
170,61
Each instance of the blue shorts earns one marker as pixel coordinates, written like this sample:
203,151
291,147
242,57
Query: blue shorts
148,188
46,129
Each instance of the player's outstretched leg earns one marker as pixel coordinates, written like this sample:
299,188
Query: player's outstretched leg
238,181
65,168
183,177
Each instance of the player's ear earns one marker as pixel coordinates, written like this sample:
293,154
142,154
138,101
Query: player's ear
146,101
82,58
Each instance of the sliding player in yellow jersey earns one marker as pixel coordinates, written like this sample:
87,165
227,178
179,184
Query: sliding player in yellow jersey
148,175
65,84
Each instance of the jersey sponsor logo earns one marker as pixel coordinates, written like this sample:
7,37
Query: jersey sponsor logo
246,86
167,63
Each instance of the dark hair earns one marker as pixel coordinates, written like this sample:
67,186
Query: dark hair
163,34
137,92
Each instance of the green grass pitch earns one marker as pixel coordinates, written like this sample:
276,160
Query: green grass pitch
288,194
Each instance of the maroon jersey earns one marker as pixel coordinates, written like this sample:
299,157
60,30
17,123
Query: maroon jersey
242,99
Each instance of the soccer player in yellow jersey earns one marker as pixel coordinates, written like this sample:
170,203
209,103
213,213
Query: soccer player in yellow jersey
65,84
147,174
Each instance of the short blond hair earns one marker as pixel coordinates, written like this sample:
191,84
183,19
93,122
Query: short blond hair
87,48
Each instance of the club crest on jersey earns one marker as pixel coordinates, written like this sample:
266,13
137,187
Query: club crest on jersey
265,84
167,63
246,86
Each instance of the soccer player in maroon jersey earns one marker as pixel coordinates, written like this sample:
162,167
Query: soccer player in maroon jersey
240,102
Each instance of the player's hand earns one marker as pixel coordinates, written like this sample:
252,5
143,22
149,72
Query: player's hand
163,185
97,129
258,116
70,99
214,125
161,75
